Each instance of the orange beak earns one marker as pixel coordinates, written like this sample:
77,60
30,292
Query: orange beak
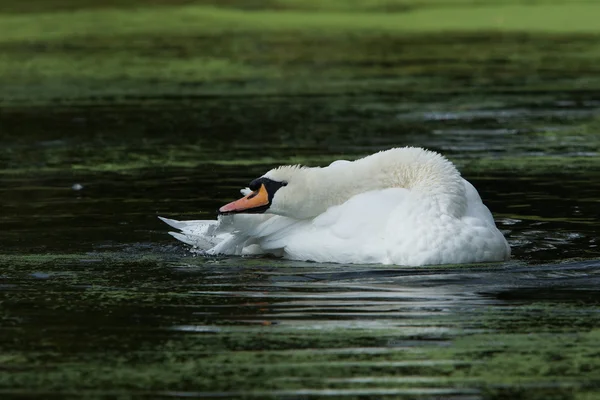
257,201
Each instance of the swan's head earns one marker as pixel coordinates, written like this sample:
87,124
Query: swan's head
280,191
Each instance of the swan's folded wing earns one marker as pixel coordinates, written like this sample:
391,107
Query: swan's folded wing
351,232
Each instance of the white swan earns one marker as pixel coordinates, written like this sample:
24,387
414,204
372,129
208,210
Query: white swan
404,206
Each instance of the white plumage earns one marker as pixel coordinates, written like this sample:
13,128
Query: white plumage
404,206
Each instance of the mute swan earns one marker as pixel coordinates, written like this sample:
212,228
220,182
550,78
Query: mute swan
405,206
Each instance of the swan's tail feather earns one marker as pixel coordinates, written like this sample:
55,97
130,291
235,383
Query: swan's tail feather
201,234
171,222
240,234
183,225
184,238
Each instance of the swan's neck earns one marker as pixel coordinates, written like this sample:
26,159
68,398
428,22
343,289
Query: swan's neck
428,176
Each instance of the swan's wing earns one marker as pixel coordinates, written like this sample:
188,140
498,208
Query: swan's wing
351,232
392,226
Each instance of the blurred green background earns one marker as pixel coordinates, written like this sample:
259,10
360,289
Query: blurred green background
85,49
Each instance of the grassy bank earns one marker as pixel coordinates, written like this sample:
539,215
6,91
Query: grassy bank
79,51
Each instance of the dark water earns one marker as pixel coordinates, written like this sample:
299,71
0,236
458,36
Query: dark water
97,300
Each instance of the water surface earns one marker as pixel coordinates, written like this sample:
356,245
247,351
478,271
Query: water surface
97,300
